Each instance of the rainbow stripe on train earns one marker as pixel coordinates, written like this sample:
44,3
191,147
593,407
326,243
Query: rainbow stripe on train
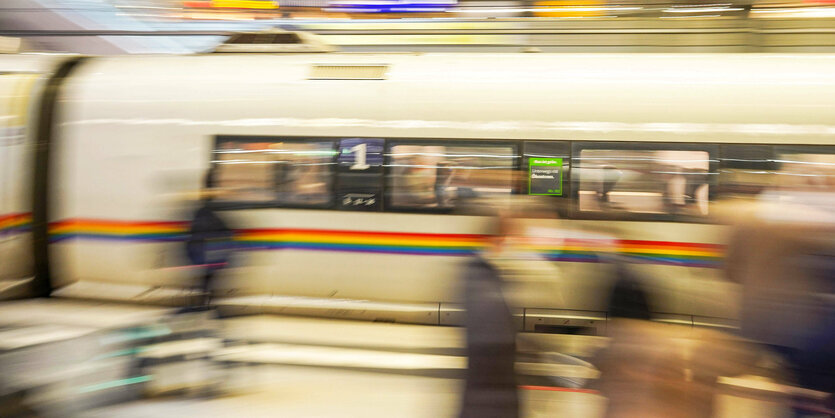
15,223
684,254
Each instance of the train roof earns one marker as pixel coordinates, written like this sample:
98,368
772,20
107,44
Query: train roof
642,97
728,66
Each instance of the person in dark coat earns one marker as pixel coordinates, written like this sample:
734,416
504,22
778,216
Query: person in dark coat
209,243
628,299
490,389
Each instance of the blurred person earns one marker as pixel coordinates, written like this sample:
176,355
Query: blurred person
786,266
698,189
300,176
306,183
653,369
609,179
443,175
491,283
638,354
210,240
490,388
13,404
414,181
466,179
676,192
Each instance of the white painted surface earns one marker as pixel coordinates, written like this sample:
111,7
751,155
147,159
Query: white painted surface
137,132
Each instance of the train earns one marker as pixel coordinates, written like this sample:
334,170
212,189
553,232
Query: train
342,172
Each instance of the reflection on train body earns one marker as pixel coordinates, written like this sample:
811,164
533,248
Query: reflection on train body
289,173
426,176
674,182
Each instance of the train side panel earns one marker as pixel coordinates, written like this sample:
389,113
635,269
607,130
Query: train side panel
138,135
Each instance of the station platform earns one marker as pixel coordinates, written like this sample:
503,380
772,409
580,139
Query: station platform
303,392
76,313
308,367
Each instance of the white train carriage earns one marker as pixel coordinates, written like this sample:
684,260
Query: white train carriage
342,171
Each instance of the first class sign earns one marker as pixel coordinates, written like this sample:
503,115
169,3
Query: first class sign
545,176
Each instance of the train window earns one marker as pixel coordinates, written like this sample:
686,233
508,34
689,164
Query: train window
645,179
244,171
745,170
806,168
305,172
275,171
439,175
749,170
244,38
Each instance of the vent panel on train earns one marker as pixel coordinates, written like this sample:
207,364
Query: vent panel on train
348,72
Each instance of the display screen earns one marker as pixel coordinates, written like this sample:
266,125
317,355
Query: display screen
545,176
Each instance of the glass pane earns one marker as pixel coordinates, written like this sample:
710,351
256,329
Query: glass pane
440,176
245,38
644,181
807,171
746,170
796,168
245,171
304,173
293,173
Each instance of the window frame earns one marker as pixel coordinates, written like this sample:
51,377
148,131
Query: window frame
578,146
728,164
778,149
772,165
567,204
562,204
275,204
515,145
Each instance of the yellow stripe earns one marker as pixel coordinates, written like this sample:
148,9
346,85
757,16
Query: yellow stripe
122,230
10,222
661,251
355,25
670,252
358,240
244,4
7,224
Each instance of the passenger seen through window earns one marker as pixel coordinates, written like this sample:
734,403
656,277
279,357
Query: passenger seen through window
644,181
434,176
285,173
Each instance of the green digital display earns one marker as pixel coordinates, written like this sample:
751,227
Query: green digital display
545,176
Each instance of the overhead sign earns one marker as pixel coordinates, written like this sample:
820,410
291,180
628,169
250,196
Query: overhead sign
545,176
